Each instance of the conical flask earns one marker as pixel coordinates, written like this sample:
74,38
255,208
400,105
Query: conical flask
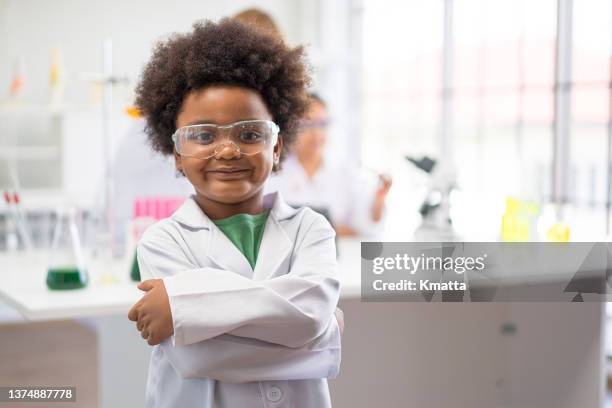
135,269
67,268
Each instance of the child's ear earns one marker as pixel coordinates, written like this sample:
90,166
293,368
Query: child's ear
277,154
178,164
278,149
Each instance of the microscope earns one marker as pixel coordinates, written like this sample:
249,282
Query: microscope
436,224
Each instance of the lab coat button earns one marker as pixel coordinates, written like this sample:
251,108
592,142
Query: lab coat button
274,394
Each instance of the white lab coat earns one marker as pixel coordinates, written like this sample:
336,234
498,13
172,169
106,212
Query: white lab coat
336,187
244,338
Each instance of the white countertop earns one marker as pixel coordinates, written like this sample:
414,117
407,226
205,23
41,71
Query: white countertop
24,288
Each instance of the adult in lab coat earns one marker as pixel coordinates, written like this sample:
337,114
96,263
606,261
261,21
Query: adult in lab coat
309,178
140,172
244,337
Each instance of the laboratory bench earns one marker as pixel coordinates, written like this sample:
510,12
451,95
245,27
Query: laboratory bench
393,353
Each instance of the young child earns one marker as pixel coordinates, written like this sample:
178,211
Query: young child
241,288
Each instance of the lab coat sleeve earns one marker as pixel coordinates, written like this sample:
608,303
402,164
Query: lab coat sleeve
238,359
291,310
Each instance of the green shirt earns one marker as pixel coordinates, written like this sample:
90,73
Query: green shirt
245,231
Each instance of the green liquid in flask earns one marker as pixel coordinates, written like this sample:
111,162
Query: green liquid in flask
135,270
66,278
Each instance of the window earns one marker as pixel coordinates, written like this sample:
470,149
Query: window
502,89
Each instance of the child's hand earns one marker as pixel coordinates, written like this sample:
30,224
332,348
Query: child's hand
152,312
340,318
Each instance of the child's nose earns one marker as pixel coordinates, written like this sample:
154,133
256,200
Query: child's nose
227,151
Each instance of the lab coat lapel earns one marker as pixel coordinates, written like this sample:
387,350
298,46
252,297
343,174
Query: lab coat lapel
224,253
219,249
275,244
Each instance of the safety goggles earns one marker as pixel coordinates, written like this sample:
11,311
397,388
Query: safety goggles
307,124
204,141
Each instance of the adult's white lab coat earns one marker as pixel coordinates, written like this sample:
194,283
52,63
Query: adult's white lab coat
244,338
140,172
337,187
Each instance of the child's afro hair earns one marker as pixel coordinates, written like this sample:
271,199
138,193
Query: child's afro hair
222,53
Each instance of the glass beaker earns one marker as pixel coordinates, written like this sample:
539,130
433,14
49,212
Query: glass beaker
67,269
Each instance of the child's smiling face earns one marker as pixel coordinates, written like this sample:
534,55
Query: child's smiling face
228,182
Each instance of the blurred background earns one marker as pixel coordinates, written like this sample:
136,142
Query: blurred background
493,119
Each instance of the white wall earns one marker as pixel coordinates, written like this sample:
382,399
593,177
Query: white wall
31,28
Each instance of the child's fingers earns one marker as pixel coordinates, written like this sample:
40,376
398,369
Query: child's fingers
140,324
143,321
340,319
133,313
145,333
153,341
147,285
